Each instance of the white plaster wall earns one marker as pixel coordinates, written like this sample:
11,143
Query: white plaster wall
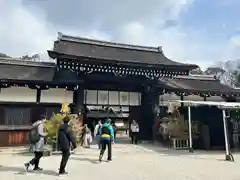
56,96
18,94
135,98
165,98
114,98
215,99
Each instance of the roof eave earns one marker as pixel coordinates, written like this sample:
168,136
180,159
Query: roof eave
186,67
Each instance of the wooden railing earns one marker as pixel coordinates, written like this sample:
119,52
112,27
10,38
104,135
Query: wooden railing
179,143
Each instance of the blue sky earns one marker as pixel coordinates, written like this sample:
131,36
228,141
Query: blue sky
191,31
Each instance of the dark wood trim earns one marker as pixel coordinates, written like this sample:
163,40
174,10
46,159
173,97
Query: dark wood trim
38,97
14,127
204,98
182,98
97,95
114,105
28,104
198,92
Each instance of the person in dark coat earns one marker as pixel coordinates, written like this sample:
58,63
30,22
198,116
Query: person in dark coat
66,142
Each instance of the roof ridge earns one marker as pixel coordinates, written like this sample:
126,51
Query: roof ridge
79,39
18,61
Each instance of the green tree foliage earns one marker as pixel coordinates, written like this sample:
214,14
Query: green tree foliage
4,55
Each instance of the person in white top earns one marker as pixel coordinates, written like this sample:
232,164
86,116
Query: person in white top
134,130
96,133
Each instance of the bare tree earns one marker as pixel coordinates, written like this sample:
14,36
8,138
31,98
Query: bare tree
34,57
227,72
197,71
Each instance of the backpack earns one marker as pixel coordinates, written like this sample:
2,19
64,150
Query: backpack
106,130
34,135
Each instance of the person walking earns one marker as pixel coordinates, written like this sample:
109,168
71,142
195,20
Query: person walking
37,140
106,134
66,142
134,132
87,137
96,133
114,129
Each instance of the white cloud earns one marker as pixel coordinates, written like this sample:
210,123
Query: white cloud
27,31
232,48
23,32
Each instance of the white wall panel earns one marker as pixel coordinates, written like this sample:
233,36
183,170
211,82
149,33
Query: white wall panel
102,97
192,98
215,98
56,96
134,99
91,97
18,94
165,98
113,97
124,98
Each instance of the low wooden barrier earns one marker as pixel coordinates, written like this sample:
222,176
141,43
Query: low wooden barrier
13,136
179,143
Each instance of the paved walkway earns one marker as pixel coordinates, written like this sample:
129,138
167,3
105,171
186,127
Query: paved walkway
131,162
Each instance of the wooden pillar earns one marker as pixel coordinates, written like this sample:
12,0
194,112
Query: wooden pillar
149,103
204,98
78,100
182,98
38,96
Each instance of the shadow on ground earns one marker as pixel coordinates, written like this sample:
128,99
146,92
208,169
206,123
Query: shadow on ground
183,153
84,159
21,171
122,140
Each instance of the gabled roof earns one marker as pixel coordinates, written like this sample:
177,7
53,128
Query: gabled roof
196,83
17,69
110,51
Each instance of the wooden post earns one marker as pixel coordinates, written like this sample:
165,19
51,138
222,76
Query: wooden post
38,97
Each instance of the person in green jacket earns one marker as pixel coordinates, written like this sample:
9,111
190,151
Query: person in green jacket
106,133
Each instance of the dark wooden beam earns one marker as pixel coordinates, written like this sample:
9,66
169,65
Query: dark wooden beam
38,97
182,98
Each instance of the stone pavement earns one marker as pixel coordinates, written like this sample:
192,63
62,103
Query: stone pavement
130,162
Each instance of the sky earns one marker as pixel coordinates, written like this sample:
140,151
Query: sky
200,32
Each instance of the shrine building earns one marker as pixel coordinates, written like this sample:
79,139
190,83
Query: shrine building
134,81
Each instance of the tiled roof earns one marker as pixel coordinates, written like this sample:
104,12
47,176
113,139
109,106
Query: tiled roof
15,69
109,51
196,83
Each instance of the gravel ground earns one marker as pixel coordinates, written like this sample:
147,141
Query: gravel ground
145,162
